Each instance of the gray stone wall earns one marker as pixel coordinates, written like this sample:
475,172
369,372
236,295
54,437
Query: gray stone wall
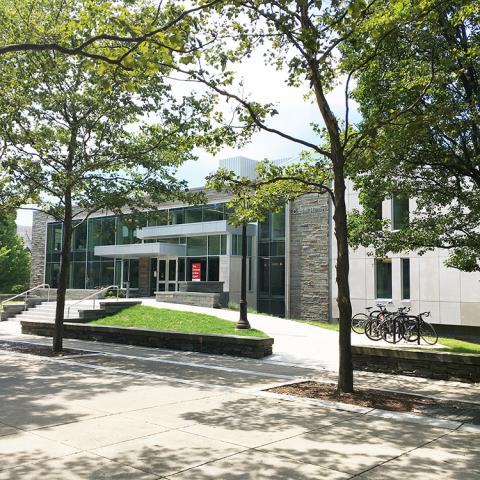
308,258
39,234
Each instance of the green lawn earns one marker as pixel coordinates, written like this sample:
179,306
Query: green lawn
448,344
141,316
328,326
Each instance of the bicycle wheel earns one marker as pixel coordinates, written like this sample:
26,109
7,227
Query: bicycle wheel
373,330
358,322
428,333
392,330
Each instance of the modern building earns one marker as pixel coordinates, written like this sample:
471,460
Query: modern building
422,282
176,245
290,265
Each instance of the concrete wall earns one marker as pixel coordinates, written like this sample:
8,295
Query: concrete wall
452,297
307,256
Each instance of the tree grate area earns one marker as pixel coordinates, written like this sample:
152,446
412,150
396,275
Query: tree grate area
40,350
386,400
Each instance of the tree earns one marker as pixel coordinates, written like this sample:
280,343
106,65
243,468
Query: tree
431,153
99,30
79,139
305,38
14,258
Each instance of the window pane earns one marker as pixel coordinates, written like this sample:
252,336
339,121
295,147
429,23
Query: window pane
193,214
405,278
400,211
79,237
181,269
158,218
278,225
264,229
383,275
51,275
196,246
54,237
214,245
263,276
277,276
77,275
213,269
176,216
213,212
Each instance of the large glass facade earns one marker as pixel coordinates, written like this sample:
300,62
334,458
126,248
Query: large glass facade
86,269
271,264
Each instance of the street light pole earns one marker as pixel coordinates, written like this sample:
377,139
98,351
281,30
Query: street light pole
243,320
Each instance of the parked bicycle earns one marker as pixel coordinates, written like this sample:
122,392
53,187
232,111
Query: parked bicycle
396,326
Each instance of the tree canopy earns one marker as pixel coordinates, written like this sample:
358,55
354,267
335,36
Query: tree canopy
14,258
429,71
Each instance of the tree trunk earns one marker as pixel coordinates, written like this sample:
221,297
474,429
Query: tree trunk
63,276
345,374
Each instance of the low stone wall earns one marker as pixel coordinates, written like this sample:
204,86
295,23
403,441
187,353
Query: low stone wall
252,347
202,287
427,364
211,300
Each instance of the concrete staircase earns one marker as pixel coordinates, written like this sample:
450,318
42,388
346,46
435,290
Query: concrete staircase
78,313
45,311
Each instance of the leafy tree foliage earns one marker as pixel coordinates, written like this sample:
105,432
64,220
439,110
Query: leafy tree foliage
14,258
78,139
429,71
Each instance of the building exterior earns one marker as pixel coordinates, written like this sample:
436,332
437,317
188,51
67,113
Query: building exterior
290,264
287,257
422,282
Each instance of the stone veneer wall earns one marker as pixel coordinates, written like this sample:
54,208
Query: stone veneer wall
39,237
308,260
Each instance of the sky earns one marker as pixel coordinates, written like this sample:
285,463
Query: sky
265,84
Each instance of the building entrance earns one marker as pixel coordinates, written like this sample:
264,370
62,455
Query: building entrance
164,275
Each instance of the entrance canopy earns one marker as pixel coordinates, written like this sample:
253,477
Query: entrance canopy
136,250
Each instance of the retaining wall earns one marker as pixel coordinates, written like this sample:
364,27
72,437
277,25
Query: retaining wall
252,347
428,364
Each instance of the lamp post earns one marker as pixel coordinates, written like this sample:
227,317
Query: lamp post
243,320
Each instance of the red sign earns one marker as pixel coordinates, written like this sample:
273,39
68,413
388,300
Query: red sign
196,272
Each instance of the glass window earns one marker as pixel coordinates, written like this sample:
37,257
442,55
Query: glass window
263,276
54,237
277,276
181,269
400,211
51,274
213,269
405,278
214,244
158,218
77,275
193,214
264,229
213,212
176,216
383,278
196,246
278,225
79,236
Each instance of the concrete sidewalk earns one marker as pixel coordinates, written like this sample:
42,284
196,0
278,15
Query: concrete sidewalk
138,413
295,342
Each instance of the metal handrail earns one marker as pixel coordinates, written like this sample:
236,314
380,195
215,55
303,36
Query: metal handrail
26,292
94,295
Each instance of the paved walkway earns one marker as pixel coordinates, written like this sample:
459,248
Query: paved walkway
137,413
125,412
296,343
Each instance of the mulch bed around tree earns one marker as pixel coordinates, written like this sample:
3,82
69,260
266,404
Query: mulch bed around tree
385,400
40,350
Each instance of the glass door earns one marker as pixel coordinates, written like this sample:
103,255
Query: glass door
167,275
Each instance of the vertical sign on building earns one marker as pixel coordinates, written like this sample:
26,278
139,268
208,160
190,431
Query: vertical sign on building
196,272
